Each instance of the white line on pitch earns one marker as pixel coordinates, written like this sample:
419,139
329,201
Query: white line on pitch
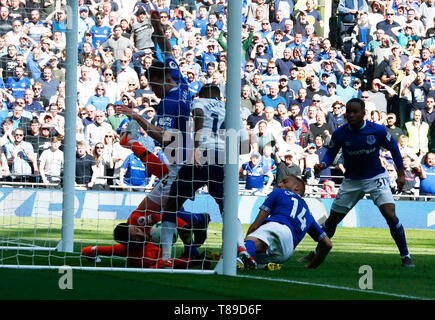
336,287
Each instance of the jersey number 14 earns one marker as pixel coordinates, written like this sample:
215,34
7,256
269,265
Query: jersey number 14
300,216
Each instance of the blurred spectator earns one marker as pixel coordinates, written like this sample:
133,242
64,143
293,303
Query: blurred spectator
310,114
89,117
99,99
273,126
329,191
117,43
8,62
246,99
44,138
103,162
395,132
17,117
7,132
301,99
285,167
413,172
85,86
32,106
344,90
419,90
392,173
301,131
263,137
84,165
132,172
116,152
257,115
427,183
95,132
288,145
115,119
18,83
336,117
428,113
255,171
49,84
21,158
418,134
51,163
32,135
273,98
311,158
320,127
405,149
268,159
281,113
37,90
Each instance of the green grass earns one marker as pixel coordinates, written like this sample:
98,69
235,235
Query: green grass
338,278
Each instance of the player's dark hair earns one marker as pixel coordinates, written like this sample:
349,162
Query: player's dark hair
210,91
357,102
302,184
157,71
121,234
298,181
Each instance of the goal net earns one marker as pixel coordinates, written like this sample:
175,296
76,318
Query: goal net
100,208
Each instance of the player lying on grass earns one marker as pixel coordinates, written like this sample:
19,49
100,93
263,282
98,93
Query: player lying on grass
281,224
361,142
134,242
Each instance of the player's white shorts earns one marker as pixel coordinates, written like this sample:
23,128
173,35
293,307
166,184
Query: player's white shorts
351,191
279,239
160,192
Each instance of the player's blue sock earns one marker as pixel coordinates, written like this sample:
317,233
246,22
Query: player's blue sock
190,251
398,233
193,219
250,247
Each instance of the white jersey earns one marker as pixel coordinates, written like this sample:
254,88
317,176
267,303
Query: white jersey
213,127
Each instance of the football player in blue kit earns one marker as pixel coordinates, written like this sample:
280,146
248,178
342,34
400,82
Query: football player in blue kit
283,221
361,142
172,129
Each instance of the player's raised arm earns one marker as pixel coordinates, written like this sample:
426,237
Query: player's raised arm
153,131
161,39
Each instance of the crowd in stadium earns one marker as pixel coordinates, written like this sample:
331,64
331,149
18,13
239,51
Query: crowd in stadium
295,83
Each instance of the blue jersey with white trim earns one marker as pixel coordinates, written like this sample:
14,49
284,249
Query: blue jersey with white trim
288,208
173,112
361,150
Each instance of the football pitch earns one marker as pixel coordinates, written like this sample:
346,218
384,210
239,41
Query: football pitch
363,265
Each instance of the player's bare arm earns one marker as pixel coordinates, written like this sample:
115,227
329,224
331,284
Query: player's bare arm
153,131
161,39
322,250
258,220
318,167
400,179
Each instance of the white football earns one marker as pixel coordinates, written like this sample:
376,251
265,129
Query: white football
155,233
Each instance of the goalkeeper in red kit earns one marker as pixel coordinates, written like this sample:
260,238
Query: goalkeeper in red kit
134,242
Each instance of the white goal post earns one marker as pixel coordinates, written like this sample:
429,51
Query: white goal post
65,225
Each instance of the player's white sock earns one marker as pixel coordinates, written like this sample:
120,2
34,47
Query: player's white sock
166,235
240,237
